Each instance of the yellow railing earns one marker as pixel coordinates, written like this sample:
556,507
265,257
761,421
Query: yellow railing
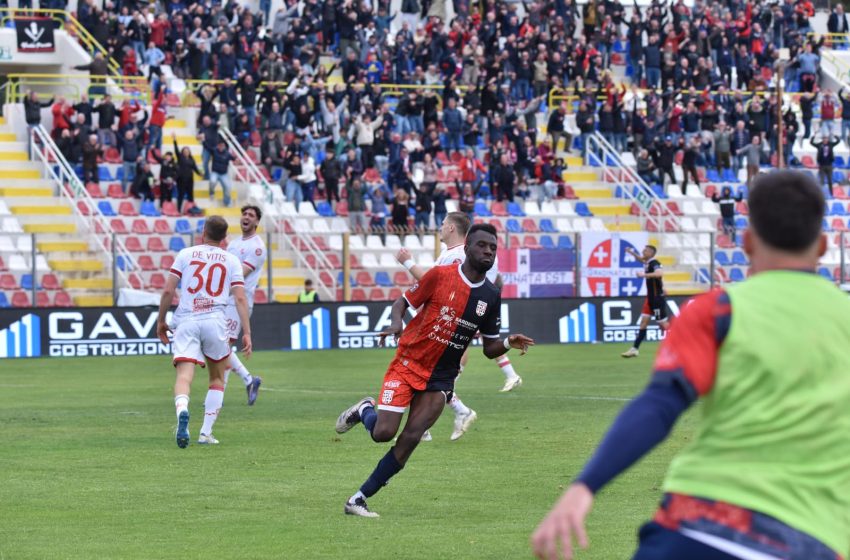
831,40
67,21
72,86
557,95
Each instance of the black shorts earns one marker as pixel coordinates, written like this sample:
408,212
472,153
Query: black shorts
655,308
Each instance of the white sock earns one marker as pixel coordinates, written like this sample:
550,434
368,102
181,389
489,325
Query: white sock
507,368
353,498
212,404
458,406
240,369
181,403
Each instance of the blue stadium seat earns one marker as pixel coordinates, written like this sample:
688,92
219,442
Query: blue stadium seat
339,280
199,228
583,210
842,163
736,275
619,193
837,209
481,210
123,264
277,173
513,226
325,209
320,157
106,208
739,258
659,191
713,176
26,282
743,191
4,302
729,176
382,279
546,226
148,208
565,242
741,223
722,258
78,169
515,210
547,242
484,191
826,225
826,273
182,226
838,176
176,243
104,174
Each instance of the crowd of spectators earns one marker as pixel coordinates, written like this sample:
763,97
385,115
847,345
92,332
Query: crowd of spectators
307,86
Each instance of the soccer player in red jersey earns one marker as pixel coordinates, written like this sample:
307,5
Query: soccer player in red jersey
457,301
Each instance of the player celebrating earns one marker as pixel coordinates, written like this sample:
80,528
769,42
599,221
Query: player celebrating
452,233
655,306
209,275
767,475
456,302
251,252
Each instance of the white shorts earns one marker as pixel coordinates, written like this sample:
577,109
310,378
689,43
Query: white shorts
233,323
197,341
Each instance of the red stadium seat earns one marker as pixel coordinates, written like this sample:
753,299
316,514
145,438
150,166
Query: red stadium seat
165,262
364,279
840,194
135,281
838,224
94,190
3,266
394,294
8,282
570,193
146,263
516,243
42,299
335,260
342,208
170,209
530,225
114,191
117,225
133,244
403,279
725,242
84,208
156,281
50,282
155,244
62,299
674,208
354,262
260,297
21,299
498,209
377,294
325,278
809,162
530,242
140,226
742,208
321,243
710,190
498,225
162,227
112,155
127,208
358,294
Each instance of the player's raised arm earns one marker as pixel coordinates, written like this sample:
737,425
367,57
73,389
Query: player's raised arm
635,254
164,303
405,259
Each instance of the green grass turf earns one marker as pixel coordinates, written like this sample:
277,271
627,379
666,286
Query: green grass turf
89,467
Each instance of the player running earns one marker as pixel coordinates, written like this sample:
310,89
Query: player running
767,475
457,301
251,252
453,233
209,276
655,306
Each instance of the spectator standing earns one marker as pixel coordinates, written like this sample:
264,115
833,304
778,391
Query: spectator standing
187,168
356,195
208,135
331,172
828,107
439,197
220,173
167,177
106,115
752,153
689,163
91,151
826,158
727,209
504,179
722,147
424,208
366,138
32,114
453,122
130,153
157,121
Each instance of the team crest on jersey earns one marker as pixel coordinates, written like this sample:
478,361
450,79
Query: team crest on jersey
258,252
387,397
481,308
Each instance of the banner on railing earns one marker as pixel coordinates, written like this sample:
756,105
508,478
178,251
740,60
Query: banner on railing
607,268
113,331
35,35
537,273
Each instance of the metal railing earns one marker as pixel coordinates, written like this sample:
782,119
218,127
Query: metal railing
252,173
87,215
72,86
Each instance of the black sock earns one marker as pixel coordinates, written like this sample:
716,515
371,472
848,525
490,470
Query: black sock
387,467
369,417
641,335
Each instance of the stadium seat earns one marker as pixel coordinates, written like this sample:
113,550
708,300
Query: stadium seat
176,243
103,173
260,297
512,225
118,226
739,258
141,227
722,259
114,191
530,242
133,244
42,299
403,278
547,226
546,242
162,227
50,282
808,161
84,208
170,209
105,209
826,273
156,281
530,226
325,209
582,209
674,208
21,299
735,275
515,210
181,226
394,294
364,279
155,244
26,281
837,209
377,294
4,301
358,294
148,208
481,210
838,224
135,281
382,279
8,282
565,242
841,162
112,155
498,225
94,190
127,208
146,263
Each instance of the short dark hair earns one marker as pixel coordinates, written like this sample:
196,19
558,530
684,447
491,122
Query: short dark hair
487,228
215,228
653,248
308,282
256,210
460,220
786,210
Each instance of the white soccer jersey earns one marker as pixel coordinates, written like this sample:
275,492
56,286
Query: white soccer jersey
251,252
206,275
456,255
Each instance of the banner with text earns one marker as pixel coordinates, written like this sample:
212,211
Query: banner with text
607,268
537,273
35,35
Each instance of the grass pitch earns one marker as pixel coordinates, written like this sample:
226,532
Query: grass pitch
89,467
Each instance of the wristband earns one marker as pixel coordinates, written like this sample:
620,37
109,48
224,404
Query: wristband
507,343
408,264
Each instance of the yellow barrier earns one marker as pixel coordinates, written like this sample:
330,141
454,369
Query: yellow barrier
130,86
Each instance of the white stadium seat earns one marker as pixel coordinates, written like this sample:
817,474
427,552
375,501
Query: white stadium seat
451,205
11,225
387,261
580,225
374,242
335,242
412,242
306,209
41,264
18,264
6,245
688,224
564,225
321,226
339,225
369,260
355,242
672,241
303,226
393,242
548,209
426,259
565,208
428,242
705,224
531,208
710,208
689,208
596,224
4,210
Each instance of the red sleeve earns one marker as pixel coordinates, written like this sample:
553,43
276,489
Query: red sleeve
424,289
688,354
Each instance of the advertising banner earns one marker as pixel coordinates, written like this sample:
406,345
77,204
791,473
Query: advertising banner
35,35
537,273
132,331
607,269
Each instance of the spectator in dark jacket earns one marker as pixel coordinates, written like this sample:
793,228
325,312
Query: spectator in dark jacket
130,155
221,159
106,115
689,163
504,179
32,114
208,135
555,128
826,158
187,168
143,182
453,121
331,172
665,155
727,209
91,151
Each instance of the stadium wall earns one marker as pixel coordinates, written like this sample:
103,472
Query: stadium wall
132,331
